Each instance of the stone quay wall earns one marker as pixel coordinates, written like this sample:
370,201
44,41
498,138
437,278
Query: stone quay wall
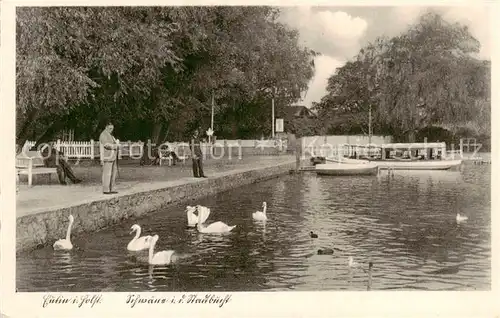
37,230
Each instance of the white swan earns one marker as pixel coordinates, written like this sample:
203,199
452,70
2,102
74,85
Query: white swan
138,243
204,214
65,244
217,227
260,215
193,218
461,218
160,258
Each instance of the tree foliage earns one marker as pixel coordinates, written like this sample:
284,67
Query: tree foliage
152,70
67,54
425,76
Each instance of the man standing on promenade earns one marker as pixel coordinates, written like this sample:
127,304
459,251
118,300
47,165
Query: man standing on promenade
197,156
108,158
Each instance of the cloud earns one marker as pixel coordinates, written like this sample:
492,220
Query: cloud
341,26
335,34
332,33
325,66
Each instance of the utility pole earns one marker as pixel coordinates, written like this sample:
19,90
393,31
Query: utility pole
213,105
370,126
370,131
210,131
371,86
272,111
272,117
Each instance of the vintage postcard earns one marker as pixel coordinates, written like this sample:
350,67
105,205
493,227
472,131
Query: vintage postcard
284,159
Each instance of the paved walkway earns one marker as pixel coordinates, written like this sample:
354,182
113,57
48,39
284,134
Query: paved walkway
45,196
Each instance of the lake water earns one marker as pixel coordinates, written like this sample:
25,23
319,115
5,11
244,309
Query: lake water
405,224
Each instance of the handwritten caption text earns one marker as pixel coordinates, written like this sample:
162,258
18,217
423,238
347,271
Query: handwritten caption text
192,298
77,300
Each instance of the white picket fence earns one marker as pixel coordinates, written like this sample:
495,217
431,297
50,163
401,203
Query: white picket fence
134,149
71,149
312,145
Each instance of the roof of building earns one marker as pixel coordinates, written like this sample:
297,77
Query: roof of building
298,111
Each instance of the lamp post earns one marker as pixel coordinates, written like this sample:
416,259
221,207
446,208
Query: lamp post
213,105
272,115
371,87
370,127
212,120
272,111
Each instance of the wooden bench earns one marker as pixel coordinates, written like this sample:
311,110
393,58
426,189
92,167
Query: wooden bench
163,157
182,157
31,163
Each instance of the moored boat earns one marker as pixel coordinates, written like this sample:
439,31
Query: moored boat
342,169
411,156
347,160
402,164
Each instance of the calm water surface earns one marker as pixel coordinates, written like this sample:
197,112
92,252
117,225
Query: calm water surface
405,224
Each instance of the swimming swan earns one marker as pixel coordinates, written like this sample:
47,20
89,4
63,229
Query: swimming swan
461,218
193,218
217,227
138,243
160,258
260,215
204,214
65,244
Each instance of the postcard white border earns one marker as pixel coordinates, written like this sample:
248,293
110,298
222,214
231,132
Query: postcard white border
265,304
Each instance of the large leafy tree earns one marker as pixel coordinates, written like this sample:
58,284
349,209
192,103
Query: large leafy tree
265,60
425,76
152,70
65,55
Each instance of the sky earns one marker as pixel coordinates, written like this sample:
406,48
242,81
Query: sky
339,32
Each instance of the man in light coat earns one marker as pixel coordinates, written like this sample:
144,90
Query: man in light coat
108,157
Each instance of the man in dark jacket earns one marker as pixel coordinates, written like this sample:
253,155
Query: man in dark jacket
55,159
197,155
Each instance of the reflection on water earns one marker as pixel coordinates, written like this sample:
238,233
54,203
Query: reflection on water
405,224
